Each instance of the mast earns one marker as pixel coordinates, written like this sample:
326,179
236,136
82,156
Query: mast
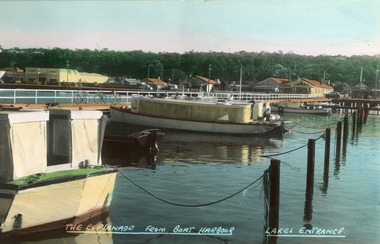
241,78
377,75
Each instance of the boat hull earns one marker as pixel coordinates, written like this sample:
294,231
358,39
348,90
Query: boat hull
54,203
299,110
141,143
263,128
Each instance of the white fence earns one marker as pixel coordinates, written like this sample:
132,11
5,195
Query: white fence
11,96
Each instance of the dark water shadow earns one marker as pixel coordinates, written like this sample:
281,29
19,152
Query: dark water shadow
139,161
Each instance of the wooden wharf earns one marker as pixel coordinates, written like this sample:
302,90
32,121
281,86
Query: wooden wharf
68,99
349,105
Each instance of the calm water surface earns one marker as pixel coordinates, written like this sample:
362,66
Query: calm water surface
201,169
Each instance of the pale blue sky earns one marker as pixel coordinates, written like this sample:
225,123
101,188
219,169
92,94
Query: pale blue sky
310,27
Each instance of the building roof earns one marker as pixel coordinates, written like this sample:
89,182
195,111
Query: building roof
317,83
308,82
12,69
68,70
279,80
271,82
359,86
207,80
155,81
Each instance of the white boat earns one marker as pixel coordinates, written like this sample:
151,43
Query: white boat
51,175
299,108
202,115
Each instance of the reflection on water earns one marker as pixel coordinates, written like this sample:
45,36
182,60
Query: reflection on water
208,148
71,234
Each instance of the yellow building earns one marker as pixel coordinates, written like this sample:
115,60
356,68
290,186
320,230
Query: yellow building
306,86
54,76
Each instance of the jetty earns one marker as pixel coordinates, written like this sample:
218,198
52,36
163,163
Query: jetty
102,99
351,104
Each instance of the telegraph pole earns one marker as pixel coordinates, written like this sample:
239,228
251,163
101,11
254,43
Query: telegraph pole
209,72
241,79
377,75
361,75
67,71
209,75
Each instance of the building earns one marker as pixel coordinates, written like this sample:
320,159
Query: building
92,78
12,75
156,83
49,76
306,86
55,76
199,83
270,85
360,91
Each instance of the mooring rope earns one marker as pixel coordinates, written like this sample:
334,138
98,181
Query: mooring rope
307,133
277,154
175,144
188,205
312,127
298,148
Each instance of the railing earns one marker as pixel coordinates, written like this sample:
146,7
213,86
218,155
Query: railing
30,96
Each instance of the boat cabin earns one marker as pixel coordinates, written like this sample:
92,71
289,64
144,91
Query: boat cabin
199,109
33,142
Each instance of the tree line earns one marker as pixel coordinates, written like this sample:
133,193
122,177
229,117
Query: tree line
174,67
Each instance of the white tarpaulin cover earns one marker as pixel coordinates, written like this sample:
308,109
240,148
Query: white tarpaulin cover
84,141
23,145
29,148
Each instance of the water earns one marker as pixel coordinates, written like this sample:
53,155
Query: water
190,171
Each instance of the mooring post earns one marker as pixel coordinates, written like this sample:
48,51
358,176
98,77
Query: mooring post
345,134
353,123
345,124
360,115
274,197
309,180
362,112
327,160
366,111
338,140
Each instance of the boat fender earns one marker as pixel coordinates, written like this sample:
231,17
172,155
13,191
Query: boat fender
18,221
84,164
280,109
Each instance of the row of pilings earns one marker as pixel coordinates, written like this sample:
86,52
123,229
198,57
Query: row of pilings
359,118
351,106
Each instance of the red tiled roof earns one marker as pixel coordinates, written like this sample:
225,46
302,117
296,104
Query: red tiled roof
157,81
317,83
207,80
279,80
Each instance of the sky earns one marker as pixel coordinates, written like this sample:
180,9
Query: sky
307,27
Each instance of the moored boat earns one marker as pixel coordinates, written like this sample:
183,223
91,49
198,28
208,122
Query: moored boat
281,108
131,145
51,174
181,113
